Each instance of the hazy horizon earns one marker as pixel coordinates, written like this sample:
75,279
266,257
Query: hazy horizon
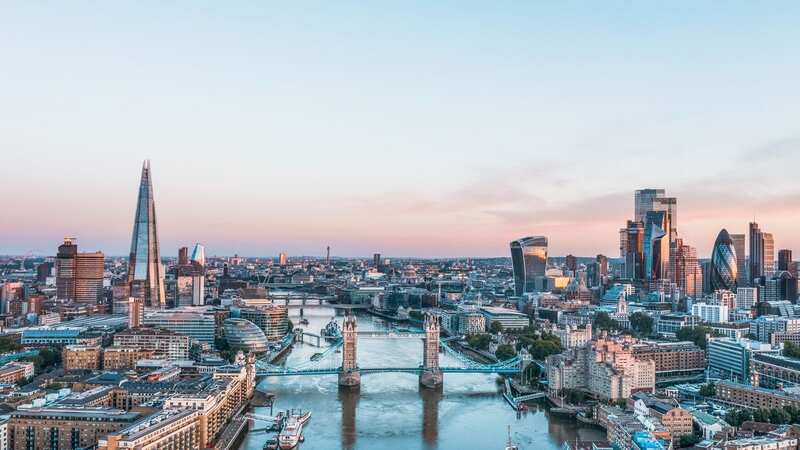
411,129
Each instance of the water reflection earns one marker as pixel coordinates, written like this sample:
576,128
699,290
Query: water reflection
348,397
430,416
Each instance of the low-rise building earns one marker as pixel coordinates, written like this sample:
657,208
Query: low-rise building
81,357
673,360
169,428
58,427
606,368
508,318
124,358
164,344
746,396
572,336
15,371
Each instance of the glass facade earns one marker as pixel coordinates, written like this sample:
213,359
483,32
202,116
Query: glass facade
529,260
145,274
244,335
724,267
656,248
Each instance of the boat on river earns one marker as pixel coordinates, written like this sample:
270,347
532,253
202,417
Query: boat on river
292,432
331,332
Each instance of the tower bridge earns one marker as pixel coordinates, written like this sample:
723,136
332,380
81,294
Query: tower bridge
349,372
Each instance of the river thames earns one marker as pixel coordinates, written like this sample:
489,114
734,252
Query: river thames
391,412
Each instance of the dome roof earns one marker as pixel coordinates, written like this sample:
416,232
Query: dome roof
245,335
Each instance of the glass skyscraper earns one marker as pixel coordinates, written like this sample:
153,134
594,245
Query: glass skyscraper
724,266
656,245
529,260
646,200
145,273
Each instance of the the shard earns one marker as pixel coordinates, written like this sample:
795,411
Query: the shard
145,274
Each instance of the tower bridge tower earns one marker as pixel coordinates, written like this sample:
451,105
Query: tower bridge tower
349,375
431,376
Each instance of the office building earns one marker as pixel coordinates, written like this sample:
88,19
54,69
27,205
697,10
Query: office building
786,286
672,360
166,429
756,251
656,246
145,272
272,319
746,297
508,318
747,396
723,263
199,327
685,269
282,259
15,371
769,255
245,335
65,269
529,261
784,259
163,344
730,359
79,276
634,250
647,200
763,327
741,259
710,313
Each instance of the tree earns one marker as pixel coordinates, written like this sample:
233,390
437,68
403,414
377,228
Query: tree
779,416
791,350
603,321
479,341
9,344
496,327
543,348
505,352
47,357
641,323
688,440
695,334
708,390
289,325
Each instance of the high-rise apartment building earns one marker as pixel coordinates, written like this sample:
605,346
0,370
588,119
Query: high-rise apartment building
145,273
741,259
79,276
529,261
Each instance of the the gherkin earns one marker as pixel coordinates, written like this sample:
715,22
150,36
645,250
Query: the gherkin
145,274
723,263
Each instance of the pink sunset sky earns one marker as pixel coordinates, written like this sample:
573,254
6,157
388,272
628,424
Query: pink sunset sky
425,130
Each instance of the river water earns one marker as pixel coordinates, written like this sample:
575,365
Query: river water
391,412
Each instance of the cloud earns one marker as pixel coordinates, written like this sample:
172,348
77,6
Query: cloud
774,150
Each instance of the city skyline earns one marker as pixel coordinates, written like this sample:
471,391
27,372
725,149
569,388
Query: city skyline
401,130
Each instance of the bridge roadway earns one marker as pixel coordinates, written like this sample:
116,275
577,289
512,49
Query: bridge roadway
369,370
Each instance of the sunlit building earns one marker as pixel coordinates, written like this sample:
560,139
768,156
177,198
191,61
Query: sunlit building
529,260
145,273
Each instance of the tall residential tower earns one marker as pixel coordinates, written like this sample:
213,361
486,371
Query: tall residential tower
145,274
